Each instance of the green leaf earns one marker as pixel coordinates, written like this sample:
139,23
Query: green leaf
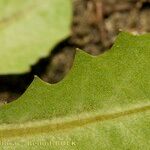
29,29
103,104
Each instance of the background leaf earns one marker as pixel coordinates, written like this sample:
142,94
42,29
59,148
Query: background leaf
29,30
103,104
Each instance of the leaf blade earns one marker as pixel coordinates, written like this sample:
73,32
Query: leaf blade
95,87
29,30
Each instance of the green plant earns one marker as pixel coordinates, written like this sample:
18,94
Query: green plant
29,30
103,103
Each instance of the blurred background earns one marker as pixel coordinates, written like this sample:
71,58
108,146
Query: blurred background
95,25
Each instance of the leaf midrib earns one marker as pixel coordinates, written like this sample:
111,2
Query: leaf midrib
54,127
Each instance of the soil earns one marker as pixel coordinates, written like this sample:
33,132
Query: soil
96,23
